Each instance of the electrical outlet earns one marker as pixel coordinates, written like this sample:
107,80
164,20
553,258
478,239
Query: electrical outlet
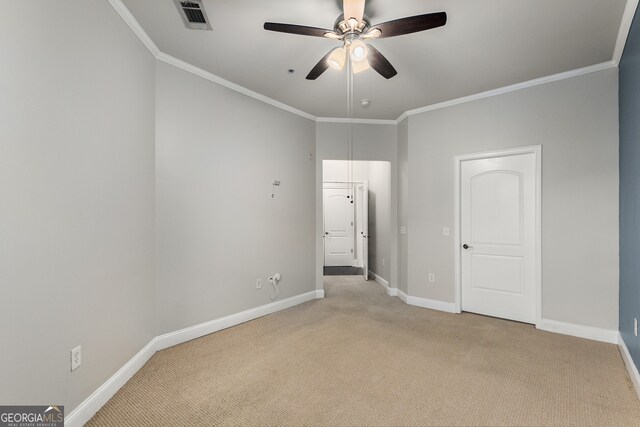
635,327
403,229
259,284
76,357
446,231
271,280
432,277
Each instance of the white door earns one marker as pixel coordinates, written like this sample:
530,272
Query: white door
498,220
362,205
338,227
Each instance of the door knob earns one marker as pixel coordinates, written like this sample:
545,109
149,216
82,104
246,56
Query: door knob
326,232
465,246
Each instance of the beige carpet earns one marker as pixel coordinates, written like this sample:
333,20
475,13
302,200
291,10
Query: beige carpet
359,357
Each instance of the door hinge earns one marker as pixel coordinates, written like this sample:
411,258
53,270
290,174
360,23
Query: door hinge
351,250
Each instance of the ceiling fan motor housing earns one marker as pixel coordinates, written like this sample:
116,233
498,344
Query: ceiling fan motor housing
343,27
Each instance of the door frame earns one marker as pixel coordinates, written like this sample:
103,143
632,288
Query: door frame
362,207
536,150
339,185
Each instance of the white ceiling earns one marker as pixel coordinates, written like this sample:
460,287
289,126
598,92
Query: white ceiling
486,44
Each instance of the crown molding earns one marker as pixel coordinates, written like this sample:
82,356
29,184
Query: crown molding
135,26
513,88
625,27
356,121
178,63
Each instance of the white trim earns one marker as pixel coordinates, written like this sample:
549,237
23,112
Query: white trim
447,307
580,331
92,404
628,362
356,121
135,26
625,27
392,292
382,282
457,274
185,66
495,92
187,334
506,89
126,15
432,304
341,185
536,150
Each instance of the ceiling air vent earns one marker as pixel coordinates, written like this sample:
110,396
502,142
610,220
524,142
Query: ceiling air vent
193,14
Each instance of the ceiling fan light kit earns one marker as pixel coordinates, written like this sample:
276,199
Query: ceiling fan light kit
358,51
352,27
358,67
337,58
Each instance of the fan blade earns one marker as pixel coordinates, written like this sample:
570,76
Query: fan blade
381,64
296,29
370,10
353,9
412,24
320,67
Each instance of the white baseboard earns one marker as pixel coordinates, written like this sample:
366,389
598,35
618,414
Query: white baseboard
402,296
628,362
379,279
580,331
392,292
92,404
447,307
187,334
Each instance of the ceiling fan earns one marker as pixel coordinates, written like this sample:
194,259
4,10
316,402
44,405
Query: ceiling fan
353,28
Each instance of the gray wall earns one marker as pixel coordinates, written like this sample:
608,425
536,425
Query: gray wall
576,123
630,190
344,171
76,199
378,176
79,198
217,229
403,204
376,142
380,219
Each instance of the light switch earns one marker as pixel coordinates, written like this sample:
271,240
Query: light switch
446,231
403,229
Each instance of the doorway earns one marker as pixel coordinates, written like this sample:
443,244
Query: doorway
356,208
498,234
346,228
339,220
